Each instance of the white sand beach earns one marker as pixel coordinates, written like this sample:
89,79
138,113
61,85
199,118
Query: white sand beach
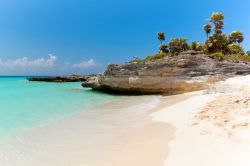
212,127
208,128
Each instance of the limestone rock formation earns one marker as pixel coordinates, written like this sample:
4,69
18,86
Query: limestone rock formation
171,75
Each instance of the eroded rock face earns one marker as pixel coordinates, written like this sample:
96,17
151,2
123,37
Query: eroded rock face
172,75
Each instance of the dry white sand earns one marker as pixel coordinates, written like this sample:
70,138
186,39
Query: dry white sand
202,141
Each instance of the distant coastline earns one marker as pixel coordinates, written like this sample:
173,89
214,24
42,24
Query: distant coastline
59,79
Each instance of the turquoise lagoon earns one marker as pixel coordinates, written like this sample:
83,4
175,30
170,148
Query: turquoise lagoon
25,105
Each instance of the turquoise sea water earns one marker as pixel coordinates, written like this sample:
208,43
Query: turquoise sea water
25,105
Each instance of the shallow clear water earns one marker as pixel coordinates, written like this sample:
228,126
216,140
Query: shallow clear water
108,131
25,105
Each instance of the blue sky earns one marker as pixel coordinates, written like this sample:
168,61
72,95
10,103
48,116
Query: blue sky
41,37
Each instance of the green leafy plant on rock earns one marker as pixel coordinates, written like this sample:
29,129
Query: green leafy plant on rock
177,45
217,43
248,53
194,45
218,56
235,49
164,48
197,46
236,37
156,57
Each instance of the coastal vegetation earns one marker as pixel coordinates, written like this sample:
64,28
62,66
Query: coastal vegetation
218,45
179,66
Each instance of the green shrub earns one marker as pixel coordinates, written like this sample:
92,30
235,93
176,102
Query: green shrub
178,45
136,61
217,43
237,57
197,46
156,57
235,49
163,48
201,47
236,37
194,45
151,58
248,53
218,56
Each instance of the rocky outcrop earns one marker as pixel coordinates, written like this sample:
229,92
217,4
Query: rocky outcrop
171,75
58,79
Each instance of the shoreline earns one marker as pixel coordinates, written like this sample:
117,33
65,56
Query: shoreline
122,134
138,130
132,137
180,116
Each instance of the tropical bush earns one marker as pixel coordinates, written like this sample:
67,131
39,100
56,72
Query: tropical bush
197,46
235,49
220,42
236,57
136,61
151,58
217,43
201,47
177,45
194,45
236,37
163,48
156,57
218,56
248,53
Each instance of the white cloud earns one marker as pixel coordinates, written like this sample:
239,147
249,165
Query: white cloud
24,62
86,64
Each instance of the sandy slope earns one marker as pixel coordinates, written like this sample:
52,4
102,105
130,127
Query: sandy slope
201,141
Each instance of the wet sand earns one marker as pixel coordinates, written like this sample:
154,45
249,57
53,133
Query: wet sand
119,133
188,129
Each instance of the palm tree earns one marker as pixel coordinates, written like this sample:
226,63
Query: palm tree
208,29
161,36
236,37
217,19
